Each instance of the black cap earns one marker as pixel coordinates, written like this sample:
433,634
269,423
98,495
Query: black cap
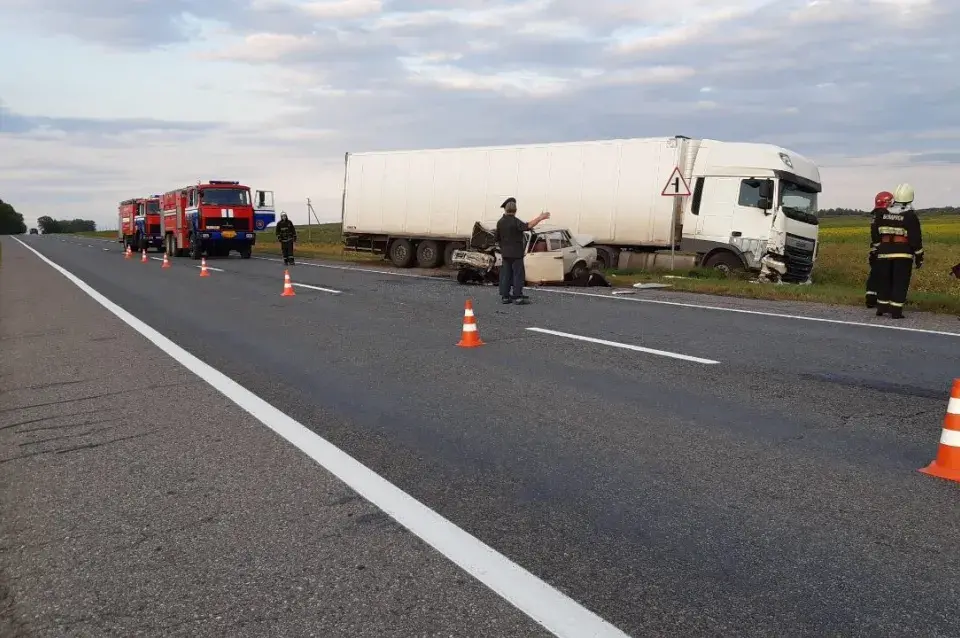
509,200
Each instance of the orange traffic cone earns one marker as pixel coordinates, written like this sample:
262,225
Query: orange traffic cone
143,256
166,261
947,463
203,267
127,254
287,285
469,337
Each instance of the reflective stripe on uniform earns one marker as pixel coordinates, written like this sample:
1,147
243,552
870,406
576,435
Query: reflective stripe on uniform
892,230
895,256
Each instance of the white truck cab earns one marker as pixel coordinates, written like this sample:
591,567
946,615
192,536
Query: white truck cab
751,205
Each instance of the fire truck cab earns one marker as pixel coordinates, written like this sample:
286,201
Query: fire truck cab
148,234
212,218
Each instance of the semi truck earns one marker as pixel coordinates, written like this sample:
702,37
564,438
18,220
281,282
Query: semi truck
139,223
214,218
728,205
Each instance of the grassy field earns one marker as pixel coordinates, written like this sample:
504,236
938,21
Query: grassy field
839,275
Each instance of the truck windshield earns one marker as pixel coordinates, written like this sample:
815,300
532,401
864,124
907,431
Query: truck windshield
153,208
797,198
226,197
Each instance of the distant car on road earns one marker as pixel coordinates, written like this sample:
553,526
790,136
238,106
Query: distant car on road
34,231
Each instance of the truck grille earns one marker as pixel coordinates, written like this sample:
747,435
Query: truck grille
235,223
798,255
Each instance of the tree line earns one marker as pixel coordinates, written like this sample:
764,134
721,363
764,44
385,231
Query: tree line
11,222
51,226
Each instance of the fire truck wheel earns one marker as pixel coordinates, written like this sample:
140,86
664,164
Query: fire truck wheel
246,253
196,250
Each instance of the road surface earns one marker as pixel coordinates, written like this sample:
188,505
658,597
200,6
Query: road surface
674,469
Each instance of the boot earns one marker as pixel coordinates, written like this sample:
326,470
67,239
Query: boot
871,301
896,313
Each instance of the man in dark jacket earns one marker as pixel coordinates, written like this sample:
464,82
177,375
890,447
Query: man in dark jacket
286,235
880,205
900,247
509,235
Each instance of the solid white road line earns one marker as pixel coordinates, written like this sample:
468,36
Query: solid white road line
761,313
553,610
678,304
625,346
321,289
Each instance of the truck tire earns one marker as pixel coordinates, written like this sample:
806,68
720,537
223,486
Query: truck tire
401,253
724,261
196,250
448,251
429,255
606,258
168,245
246,252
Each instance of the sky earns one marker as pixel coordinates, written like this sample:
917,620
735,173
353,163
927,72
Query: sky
103,100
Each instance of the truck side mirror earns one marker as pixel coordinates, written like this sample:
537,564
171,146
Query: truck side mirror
764,203
766,189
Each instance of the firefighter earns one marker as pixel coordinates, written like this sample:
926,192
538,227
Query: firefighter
900,246
880,205
286,235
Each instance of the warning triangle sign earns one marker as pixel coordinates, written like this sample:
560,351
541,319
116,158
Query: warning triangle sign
676,186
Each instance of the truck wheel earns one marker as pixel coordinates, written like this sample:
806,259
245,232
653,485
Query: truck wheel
723,261
448,251
246,253
606,259
168,245
428,254
196,250
401,253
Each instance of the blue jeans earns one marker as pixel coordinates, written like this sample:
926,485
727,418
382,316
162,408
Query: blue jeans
511,273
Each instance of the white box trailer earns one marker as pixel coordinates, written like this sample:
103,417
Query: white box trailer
732,205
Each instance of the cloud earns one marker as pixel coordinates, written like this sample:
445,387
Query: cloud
273,92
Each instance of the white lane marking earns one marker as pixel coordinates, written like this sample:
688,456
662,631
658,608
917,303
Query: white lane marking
556,612
211,268
749,312
625,346
330,290
369,270
679,304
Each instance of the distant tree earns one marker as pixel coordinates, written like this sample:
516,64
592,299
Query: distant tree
51,226
11,222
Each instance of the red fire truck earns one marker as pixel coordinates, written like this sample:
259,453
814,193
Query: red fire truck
214,217
140,223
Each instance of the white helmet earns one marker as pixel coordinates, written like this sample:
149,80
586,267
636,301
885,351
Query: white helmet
903,194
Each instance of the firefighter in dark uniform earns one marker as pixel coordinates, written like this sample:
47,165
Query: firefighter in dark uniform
286,235
880,205
900,246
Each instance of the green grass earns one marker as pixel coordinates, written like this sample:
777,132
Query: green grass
839,275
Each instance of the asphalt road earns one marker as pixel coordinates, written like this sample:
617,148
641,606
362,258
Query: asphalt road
773,492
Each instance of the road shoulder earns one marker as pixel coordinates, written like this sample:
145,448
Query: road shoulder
137,500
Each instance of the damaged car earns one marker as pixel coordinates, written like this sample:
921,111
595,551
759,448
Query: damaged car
551,256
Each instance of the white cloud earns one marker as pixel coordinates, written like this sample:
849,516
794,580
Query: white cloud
273,92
